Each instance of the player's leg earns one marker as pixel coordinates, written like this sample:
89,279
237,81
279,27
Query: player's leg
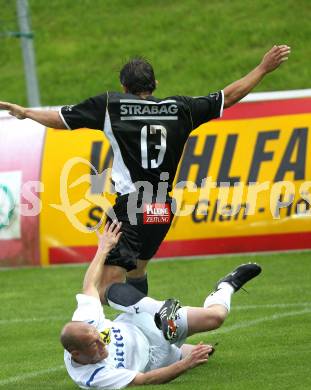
131,297
125,297
122,258
205,319
112,274
186,321
151,236
141,242
215,310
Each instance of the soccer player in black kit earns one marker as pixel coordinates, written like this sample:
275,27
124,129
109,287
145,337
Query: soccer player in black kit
147,136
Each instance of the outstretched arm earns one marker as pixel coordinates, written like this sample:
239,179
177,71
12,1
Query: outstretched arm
240,88
94,273
48,118
197,356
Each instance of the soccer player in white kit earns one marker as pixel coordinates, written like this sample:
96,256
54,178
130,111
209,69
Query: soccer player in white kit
131,350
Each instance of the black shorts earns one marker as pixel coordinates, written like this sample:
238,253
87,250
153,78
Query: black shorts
140,240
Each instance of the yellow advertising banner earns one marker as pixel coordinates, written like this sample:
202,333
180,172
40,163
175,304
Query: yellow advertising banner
251,166
242,185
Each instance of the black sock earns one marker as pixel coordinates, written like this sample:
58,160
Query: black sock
140,284
123,296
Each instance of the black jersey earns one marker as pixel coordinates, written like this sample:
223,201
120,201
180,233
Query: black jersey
147,135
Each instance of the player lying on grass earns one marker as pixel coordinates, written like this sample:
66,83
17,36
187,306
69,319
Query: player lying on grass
131,350
147,135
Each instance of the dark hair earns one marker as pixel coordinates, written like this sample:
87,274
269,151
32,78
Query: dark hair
137,76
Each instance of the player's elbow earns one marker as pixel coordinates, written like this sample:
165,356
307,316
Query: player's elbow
233,94
229,99
57,121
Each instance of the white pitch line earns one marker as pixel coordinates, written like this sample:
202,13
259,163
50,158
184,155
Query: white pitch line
272,306
29,320
274,317
34,374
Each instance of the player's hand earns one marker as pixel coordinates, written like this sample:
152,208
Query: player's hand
110,237
274,58
198,355
18,111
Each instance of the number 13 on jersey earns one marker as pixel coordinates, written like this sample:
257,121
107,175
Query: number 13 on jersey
152,130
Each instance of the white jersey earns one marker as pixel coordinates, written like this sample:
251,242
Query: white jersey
134,345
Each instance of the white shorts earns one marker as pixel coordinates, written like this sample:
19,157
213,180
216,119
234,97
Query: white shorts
161,352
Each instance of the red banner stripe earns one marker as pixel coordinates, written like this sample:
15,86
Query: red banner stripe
206,246
268,108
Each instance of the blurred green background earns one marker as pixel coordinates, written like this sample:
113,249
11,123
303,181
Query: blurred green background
195,46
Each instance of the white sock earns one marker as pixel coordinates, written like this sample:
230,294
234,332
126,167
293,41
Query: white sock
222,296
149,305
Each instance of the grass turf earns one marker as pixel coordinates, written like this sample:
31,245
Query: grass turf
195,46
265,343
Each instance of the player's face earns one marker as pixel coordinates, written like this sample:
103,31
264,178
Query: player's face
94,349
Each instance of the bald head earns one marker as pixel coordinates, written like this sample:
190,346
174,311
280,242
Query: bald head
74,335
83,342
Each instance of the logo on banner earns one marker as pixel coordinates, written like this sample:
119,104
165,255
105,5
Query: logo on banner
157,213
7,206
10,192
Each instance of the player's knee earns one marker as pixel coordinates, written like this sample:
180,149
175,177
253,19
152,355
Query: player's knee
112,275
104,289
219,319
102,294
139,271
215,318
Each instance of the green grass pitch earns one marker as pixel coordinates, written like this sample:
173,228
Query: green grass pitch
195,46
265,343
